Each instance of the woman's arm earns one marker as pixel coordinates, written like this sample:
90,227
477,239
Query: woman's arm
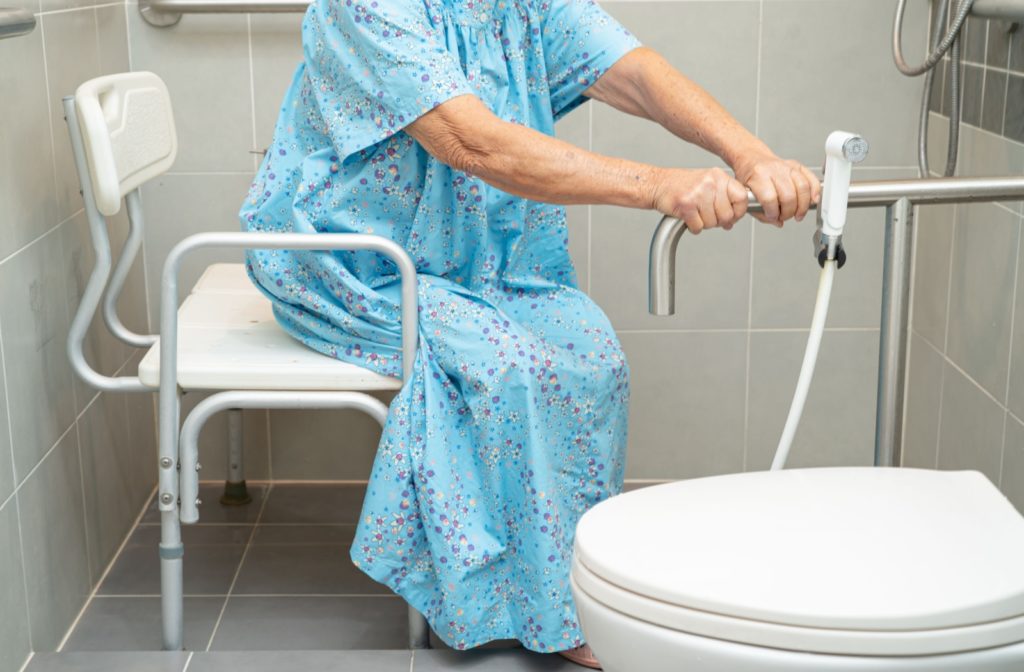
467,136
644,84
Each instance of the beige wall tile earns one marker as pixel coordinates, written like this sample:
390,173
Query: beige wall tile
924,389
838,423
971,427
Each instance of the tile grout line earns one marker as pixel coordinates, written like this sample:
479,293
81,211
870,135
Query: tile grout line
13,496
39,237
85,507
24,666
188,661
412,661
252,89
71,10
1009,355
750,266
238,570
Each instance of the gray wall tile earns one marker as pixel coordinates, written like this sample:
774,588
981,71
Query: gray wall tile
212,112
985,154
924,390
686,405
15,643
678,31
50,506
33,296
973,82
318,445
995,102
971,427
6,450
872,98
976,33
981,293
26,187
72,56
832,432
276,53
112,30
1012,483
112,501
176,207
1014,124
934,240
998,49
1015,388
712,274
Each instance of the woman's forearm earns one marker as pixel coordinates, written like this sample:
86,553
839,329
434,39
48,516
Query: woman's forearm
521,161
644,84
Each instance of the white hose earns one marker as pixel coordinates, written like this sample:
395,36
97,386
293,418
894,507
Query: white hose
803,384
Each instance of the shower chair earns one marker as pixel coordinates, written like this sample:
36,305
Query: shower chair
223,339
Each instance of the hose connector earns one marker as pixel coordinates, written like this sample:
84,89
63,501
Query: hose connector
842,150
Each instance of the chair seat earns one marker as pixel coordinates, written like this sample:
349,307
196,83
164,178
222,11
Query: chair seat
228,339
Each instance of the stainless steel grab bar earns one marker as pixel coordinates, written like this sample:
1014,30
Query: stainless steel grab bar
898,197
15,22
163,13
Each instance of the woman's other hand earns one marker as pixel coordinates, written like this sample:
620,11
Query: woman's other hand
703,199
785,189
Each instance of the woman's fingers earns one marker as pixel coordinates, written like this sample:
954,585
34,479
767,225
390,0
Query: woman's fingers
737,195
803,193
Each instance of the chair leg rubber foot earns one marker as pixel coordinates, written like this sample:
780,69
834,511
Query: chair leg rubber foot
235,494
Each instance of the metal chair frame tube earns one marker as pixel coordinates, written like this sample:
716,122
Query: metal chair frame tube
97,283
898,198
171,431
129,252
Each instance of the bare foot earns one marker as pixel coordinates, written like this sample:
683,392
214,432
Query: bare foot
582,655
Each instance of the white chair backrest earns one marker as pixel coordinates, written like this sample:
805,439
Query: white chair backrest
128,130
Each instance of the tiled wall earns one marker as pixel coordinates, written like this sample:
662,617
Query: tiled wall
75,466
966,380
712,384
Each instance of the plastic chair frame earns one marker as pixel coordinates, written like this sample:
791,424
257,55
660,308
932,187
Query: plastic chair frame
178,443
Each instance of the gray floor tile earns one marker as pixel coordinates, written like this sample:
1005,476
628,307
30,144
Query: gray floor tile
314,504
133,624
318,661
491,661
304,534
212,511
312,623
303,569
212,556
109,661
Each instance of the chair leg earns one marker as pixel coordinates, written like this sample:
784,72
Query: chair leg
419,631
171,584
235,492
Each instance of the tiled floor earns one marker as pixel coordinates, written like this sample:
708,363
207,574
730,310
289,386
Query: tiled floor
269,586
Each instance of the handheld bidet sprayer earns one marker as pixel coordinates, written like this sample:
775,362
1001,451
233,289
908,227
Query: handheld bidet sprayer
842,150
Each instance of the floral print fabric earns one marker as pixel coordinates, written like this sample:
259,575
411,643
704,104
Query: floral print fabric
513,423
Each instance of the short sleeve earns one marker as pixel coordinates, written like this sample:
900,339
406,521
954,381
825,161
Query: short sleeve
581,41
374,67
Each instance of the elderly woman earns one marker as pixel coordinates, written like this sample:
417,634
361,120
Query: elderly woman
430,122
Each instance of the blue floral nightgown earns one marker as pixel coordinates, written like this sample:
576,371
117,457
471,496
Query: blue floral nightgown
514,421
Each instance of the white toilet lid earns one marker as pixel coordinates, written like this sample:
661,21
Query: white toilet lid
861,549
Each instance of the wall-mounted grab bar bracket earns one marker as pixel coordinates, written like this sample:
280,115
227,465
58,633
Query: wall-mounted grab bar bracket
164,13
15,22
157,17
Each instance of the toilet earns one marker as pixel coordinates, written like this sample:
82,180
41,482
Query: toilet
850,569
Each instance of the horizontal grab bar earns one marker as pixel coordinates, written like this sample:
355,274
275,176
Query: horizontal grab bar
1008,10
882,193
15,22
163,13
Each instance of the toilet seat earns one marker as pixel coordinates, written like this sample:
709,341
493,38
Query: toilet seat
854,561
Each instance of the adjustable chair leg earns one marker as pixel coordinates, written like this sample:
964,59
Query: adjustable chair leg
171,584
419,631
235,492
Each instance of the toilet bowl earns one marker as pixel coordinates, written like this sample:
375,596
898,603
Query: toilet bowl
850,569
